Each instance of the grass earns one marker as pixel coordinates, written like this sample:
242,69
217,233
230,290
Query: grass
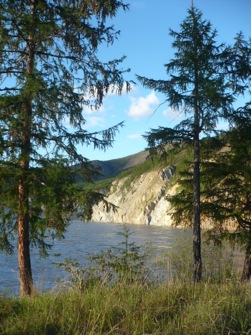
175,308
219,305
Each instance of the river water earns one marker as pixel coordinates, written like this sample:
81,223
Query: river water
82,239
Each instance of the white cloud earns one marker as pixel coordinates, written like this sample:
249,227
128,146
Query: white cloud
143,106
135,137
173,113
95,121
107,104
91,95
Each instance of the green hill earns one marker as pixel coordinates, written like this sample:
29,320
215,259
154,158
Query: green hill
111,168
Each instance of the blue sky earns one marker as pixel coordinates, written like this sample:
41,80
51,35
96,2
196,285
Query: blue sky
145,41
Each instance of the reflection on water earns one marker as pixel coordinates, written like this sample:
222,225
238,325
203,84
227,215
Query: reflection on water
82,240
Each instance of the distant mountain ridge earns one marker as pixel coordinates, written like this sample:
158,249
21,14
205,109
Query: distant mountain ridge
111,168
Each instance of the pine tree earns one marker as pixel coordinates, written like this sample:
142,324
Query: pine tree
50,71
226,199
227,172
225,165
197,85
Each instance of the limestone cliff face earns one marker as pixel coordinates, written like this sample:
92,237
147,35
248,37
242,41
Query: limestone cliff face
141,201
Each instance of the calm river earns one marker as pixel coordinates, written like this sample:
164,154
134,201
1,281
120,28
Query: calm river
82,239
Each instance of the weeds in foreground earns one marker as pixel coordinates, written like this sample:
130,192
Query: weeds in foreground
127,309
118,296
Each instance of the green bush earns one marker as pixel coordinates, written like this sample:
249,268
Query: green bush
126,262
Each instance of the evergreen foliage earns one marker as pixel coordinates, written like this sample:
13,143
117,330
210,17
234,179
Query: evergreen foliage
197,86
227,195
50,71
225,166
125,263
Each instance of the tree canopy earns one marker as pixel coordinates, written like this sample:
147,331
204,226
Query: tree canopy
197,85
50,71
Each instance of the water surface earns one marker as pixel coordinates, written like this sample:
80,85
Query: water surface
81,240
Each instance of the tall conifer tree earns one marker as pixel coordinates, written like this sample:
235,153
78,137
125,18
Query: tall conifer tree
49,71
226,199
226,172
226,164
197,86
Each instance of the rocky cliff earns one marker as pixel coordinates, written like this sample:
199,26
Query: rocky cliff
141,201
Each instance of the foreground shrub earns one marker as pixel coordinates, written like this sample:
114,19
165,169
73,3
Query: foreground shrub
124,263
128,263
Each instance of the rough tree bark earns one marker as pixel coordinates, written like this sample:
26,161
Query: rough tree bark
26,282
196,212
197,273
24,263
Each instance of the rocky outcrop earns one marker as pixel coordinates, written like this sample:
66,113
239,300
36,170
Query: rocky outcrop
141,201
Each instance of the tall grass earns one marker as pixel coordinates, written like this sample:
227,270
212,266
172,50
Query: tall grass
176,308
133,301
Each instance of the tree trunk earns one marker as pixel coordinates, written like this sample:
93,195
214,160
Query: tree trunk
197,270
246,272
25,275
26,283
24,262
196,213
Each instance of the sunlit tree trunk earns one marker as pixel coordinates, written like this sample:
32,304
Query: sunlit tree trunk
197,273
196,211
25,275
24,262
26,285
